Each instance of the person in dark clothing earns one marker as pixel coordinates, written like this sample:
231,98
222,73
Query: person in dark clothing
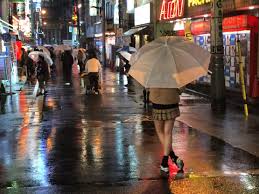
42,75
53,57
81,60
31,70
68,62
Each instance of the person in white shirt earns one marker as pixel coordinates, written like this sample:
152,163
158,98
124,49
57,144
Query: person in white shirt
93,69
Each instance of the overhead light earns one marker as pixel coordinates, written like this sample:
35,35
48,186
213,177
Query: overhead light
43,12
79,5
206,15
251,7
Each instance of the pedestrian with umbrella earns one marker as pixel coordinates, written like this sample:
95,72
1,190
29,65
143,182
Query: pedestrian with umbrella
43,75
165,66
68,62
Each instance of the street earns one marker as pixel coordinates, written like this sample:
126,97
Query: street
69,142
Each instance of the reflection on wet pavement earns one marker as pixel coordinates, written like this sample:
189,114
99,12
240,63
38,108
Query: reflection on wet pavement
107,139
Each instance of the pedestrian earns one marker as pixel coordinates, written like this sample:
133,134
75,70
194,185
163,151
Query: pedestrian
165,103
53,57
146,94
43,75
31,70
68,61
81,60
93,69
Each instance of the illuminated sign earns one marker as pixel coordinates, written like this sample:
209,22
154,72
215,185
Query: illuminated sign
171,9
142,14
130,6
193,3
116,17
93,7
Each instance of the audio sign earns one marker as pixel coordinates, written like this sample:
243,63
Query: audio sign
171,9
193,3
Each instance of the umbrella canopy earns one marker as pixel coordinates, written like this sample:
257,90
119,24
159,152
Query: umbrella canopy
62,47
128,49
125,55
169,62
44,49
34,55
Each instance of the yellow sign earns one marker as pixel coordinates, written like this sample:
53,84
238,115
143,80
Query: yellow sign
187,31
194,3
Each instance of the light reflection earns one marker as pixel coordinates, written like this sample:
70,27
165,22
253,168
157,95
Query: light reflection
24,132
84,142
119,145
97,148
113,90
246,180
51,102
133,161
125,80
50,139
31,150
118,78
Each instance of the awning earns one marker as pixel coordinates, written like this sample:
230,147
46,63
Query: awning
133,31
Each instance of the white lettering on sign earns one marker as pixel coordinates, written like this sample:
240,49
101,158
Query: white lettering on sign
171,9
193,3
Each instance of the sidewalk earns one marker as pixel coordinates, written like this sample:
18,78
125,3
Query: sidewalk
13,106
232,126
233,98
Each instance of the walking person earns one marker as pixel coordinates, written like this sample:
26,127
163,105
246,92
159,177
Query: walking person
43,75
93,70
68,61
165,103
81,59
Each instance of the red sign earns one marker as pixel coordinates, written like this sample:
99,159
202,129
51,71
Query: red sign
202,27
171,9
235,22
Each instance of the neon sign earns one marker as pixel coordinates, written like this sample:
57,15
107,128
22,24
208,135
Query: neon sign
193,3
171,9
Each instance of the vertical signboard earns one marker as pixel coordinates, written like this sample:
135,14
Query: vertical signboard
216,27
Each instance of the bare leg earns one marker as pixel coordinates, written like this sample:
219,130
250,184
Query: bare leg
168,128
159,125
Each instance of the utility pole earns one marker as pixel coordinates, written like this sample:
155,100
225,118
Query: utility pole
103,33
217,53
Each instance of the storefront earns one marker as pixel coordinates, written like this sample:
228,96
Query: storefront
142,32
8,53
240,23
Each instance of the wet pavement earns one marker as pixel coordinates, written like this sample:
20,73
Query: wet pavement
69,142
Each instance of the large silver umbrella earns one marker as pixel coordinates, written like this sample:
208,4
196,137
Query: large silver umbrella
169,62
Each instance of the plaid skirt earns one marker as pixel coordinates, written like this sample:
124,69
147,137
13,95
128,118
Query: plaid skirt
166,114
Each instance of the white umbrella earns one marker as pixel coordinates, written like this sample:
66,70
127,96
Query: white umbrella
132,49
34,55
128,49
125,55
44,49
62,47
169,62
